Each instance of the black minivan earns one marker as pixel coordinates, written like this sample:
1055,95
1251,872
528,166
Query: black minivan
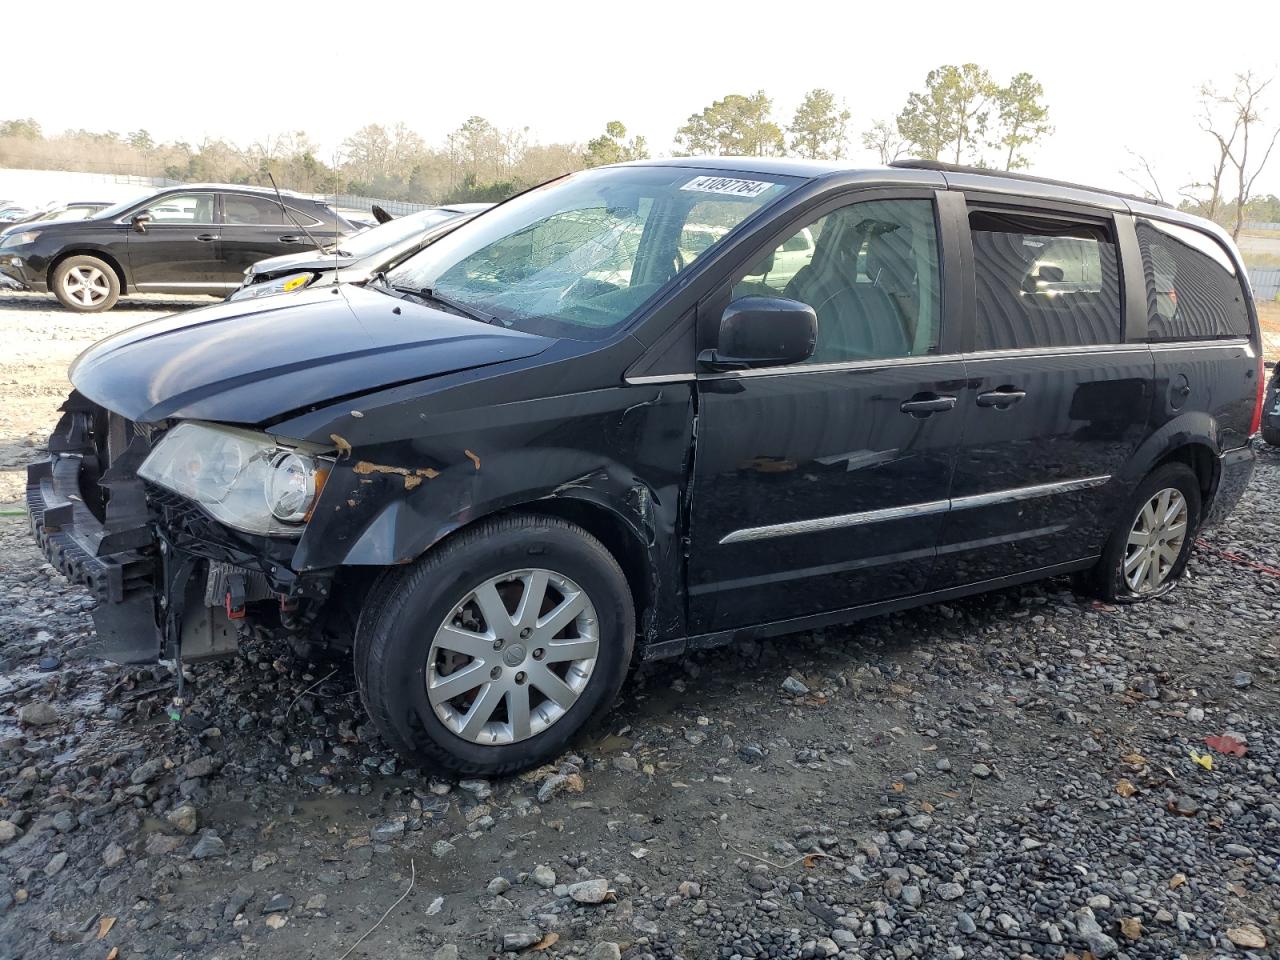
653,407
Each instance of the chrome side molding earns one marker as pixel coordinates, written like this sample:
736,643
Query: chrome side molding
820,524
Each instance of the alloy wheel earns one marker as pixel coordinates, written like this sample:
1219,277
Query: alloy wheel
513,656
86,285
1155,541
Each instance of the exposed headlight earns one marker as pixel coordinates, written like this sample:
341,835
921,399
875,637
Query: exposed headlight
18,239
247,480
287,284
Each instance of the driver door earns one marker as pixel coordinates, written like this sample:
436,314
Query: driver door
181,250
824,485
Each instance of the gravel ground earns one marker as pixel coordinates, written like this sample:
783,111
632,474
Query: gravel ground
1009,776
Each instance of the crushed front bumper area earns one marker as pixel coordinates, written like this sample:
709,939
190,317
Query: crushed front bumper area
113,556
170,581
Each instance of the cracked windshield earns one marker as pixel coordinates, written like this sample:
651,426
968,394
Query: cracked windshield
577,257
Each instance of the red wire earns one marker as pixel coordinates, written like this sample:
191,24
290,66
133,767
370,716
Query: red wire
1238,559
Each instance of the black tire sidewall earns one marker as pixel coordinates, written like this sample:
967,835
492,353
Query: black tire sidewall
1271,421
82,260
1175,475
395,678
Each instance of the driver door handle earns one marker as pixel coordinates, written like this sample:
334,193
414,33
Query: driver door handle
1001,398
206,237
289,238
925,404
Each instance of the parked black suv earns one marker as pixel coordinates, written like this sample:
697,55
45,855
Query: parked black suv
196,239
596,422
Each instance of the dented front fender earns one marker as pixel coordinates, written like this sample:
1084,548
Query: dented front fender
620,450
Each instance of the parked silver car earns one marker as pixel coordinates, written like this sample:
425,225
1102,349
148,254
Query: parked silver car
357,258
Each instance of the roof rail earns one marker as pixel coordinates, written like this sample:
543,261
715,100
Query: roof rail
912,163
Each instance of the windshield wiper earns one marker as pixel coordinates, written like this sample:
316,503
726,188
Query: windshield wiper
430,296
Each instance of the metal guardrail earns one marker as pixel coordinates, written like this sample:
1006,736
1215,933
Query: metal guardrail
397,208
1265,283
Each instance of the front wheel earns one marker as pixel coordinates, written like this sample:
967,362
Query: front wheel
86,284
1147,552
490,653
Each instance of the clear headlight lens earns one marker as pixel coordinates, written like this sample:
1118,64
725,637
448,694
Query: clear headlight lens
244,479
18,239
272,287
293,487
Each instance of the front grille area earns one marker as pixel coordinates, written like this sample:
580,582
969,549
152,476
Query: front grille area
188,528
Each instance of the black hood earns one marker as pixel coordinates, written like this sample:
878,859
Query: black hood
255,360
304,261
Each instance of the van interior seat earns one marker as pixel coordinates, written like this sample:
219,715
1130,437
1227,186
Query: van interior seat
855,320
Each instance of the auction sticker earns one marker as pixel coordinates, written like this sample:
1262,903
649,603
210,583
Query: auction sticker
728,186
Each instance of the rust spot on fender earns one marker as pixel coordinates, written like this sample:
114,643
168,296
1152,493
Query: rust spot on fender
473,457
343,445
412,478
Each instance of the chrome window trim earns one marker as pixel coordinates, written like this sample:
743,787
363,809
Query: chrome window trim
791,368
820,524
931,358
164,223
1216,343
1089,349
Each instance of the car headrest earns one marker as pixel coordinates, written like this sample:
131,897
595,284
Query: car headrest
889,261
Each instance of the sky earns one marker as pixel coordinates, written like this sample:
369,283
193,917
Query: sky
1118,76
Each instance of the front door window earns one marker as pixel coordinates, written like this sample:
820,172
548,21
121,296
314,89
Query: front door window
870,272
186,208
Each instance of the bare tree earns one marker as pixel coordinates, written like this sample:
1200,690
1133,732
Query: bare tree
1142,176
1224,141
883,137
1235,121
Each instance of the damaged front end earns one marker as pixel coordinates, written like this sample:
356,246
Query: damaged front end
171,582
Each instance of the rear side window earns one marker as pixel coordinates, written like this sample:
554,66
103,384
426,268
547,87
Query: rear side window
1193,291
1043,282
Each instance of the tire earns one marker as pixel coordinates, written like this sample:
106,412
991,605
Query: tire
416,623
1108,579
86,284
1271,434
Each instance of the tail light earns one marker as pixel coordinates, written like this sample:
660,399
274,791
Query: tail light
1256,423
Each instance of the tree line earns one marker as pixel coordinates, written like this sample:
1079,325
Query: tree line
961,114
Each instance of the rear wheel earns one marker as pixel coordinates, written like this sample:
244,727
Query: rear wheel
1147,553
86,284
490,653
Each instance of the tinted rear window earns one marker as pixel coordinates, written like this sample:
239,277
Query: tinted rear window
1043,282
1193,291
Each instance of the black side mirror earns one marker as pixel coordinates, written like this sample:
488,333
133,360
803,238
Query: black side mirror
140,221
763,332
